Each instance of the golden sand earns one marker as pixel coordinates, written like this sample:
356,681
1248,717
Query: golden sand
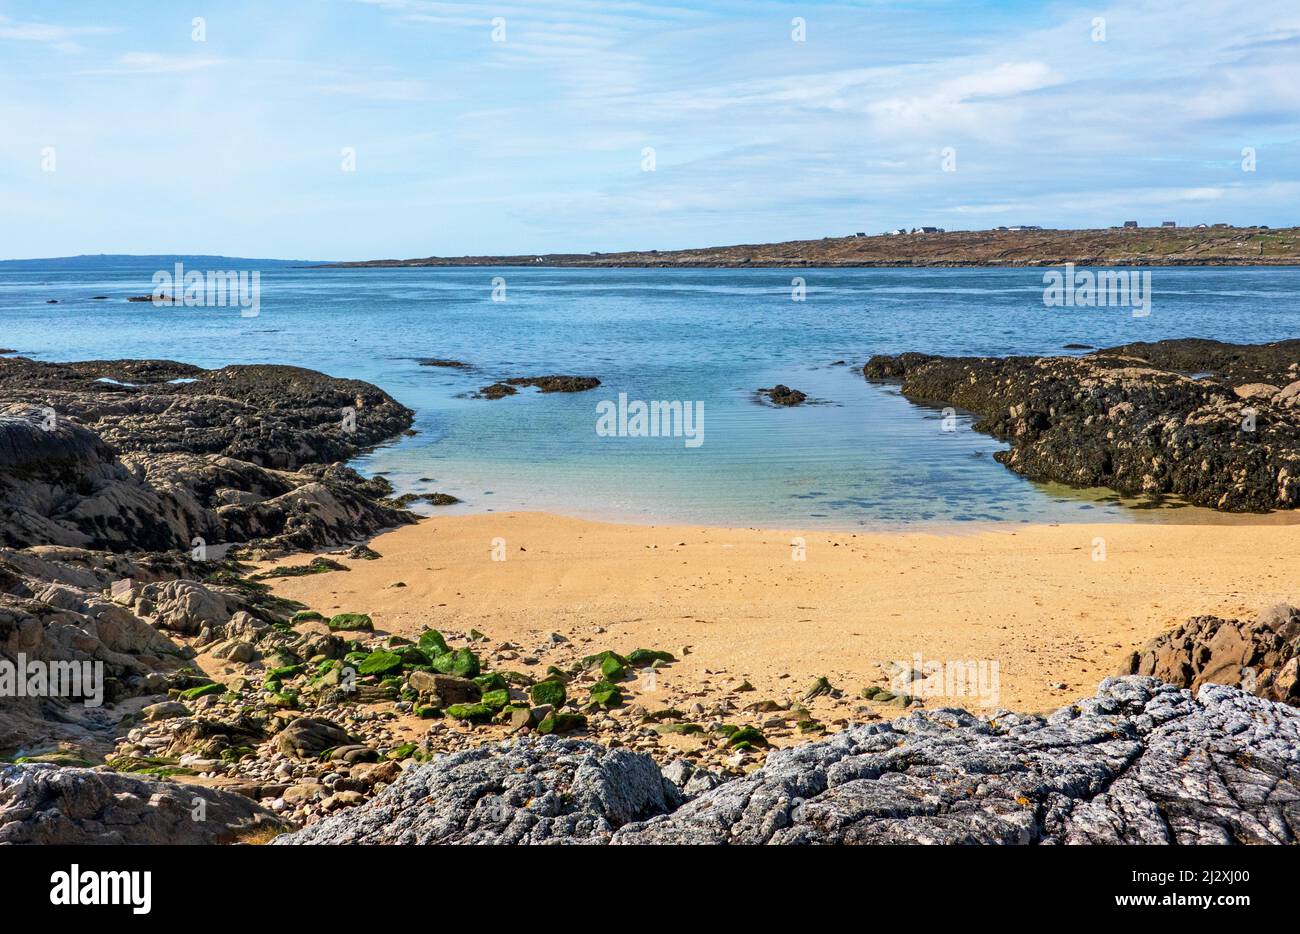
1032,598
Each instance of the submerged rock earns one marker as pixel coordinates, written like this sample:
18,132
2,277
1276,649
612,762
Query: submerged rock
781,394
544,384
556,383
496,391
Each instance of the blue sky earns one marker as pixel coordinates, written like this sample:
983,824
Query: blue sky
465,144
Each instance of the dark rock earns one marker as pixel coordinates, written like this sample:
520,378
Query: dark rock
556,383
235,455
1130,418
496,391
433,499
780,394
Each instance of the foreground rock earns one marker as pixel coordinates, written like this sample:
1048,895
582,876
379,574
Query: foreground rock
548,790
1217,424
42,804
1260,656
1140,762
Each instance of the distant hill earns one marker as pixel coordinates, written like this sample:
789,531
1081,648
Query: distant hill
160,260
1143,246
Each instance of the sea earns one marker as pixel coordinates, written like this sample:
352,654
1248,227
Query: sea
856,455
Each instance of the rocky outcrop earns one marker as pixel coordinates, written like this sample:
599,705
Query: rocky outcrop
148,455
1143,419
783,395
273,416
1259,656
43,804
1141,762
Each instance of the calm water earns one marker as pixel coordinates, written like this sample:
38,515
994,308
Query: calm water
862,456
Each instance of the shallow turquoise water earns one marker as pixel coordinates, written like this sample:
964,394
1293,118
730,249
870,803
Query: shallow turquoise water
862,456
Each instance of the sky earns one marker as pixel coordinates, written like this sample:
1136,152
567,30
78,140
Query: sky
362,129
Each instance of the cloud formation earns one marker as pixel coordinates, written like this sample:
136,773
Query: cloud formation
528,126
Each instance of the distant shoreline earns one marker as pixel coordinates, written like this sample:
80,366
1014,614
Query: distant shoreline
1147,246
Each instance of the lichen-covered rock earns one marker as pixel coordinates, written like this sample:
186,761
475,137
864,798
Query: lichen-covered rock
43,804
543,790
1140,762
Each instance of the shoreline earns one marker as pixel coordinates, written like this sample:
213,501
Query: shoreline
1142,246
1030,598
1080,263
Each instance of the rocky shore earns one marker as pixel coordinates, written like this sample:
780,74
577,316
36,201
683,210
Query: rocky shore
129,490
136,494
1215,424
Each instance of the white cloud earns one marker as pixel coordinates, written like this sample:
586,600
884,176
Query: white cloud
158,63
62,38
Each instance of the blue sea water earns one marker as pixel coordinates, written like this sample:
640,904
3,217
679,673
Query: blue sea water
861,456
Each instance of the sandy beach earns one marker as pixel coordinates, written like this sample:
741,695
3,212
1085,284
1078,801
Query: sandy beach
1031,598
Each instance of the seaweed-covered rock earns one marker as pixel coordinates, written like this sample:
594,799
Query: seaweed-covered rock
1144,419
550,692
351,622
461,662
